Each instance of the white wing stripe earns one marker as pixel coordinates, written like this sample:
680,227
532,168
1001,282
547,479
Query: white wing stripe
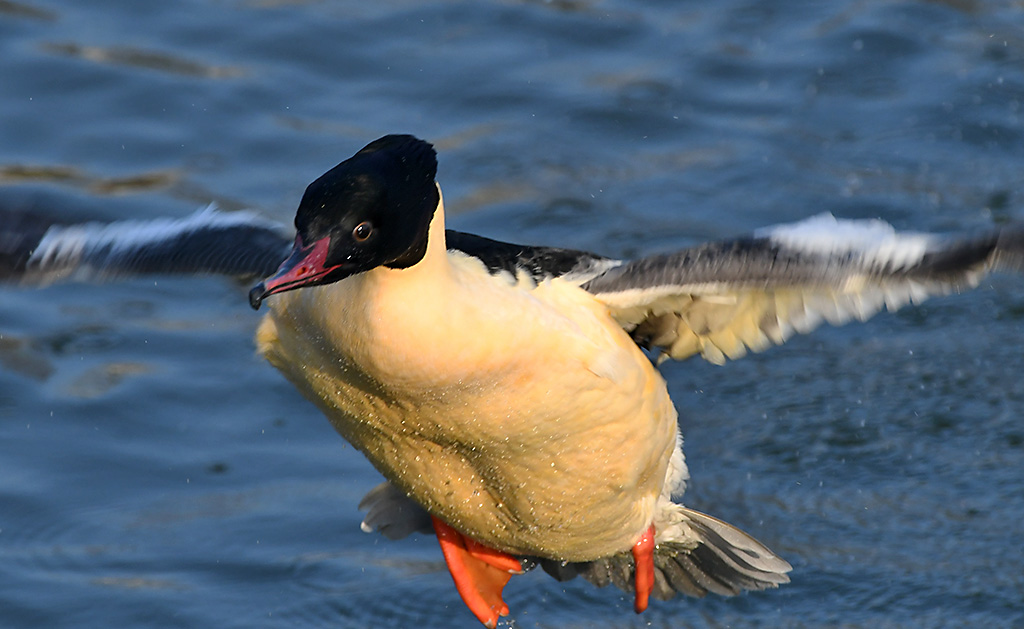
875,243
69,245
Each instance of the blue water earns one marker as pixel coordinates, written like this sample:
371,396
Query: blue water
155,473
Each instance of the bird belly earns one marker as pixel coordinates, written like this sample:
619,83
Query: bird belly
546,433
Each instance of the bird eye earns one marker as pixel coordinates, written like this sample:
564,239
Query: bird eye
362,231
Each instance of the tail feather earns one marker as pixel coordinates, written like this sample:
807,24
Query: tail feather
677,578
741,552
714,557
719,567
704,576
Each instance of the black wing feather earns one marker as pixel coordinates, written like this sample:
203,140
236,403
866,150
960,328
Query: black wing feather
37,250
539,262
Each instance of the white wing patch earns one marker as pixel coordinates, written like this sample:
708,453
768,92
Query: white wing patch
876,242
68,246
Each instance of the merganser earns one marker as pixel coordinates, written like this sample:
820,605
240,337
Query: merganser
509,394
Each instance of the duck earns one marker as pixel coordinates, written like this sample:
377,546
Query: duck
510,394
517,413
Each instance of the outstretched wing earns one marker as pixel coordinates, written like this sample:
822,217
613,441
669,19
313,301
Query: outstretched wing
36,251
718,300
722,299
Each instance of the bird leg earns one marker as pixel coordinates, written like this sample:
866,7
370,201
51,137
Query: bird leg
480,573
643,556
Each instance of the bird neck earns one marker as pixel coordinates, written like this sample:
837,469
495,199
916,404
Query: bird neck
437,246
431,268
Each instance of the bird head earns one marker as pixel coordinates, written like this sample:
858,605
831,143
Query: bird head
373,209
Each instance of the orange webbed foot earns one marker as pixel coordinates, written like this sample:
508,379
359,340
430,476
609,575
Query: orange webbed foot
480,573
643,556
502,561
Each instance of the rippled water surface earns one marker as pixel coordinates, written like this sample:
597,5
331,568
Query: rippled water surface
155,473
